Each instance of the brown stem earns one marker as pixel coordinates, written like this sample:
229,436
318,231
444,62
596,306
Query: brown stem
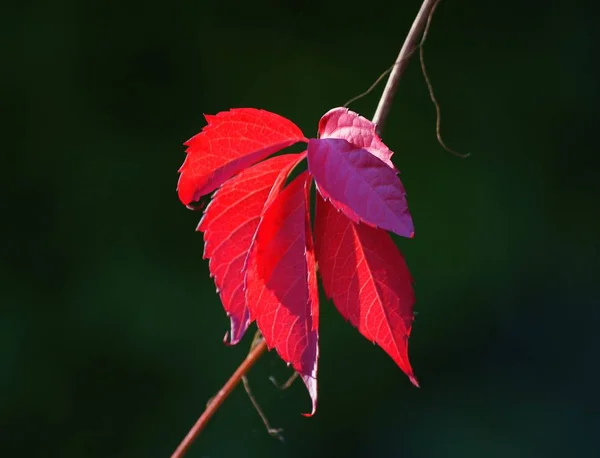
216,402
411,42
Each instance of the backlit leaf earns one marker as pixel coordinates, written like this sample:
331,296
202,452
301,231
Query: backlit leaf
232,141
368,280
229,224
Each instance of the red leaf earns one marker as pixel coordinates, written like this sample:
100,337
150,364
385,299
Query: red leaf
368,280
364,187
232,141
281,285
229,224
344,123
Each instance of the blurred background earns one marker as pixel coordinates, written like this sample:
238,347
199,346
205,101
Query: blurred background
110,327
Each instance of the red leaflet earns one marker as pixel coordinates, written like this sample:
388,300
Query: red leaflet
259,240
232,141
281,288
346,124
229,224
361,185
368,280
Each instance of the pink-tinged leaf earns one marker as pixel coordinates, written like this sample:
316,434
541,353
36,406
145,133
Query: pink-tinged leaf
229,224
281,285
232,141
343,123
368,280
359,184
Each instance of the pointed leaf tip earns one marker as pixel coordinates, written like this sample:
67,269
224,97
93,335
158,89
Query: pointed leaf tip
311,386
414,381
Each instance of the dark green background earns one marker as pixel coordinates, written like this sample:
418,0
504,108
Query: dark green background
110,328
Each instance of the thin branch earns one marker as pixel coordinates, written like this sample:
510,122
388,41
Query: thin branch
373,86
223,393
385,103
275,432
438,113
287,384
387,72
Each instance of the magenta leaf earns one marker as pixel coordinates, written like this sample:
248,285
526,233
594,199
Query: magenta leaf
344,123
359,184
